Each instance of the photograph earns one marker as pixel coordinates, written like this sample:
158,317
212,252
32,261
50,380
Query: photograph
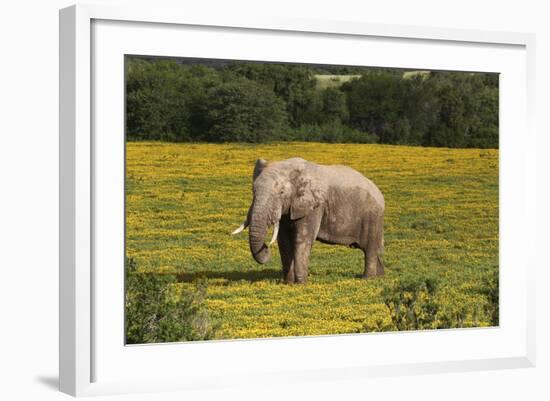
271,199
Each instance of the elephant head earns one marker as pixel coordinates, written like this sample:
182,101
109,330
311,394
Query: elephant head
279,188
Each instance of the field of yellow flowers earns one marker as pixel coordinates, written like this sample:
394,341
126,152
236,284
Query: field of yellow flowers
441,238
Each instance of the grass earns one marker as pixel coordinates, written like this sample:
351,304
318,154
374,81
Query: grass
183,201
324,81
333,81
411,74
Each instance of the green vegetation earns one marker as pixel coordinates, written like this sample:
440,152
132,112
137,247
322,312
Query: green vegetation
325,81
188,279
225,101
184,199
242,110
157,312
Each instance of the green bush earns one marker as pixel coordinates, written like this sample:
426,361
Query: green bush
411,301
419,300
155,312
490,290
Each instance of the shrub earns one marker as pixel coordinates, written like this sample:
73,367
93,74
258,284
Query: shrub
420,301
490,290
411,301
460,309
156,313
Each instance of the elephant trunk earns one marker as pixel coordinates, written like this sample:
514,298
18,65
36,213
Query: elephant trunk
258,231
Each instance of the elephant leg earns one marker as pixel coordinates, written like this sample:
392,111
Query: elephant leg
286,250
374,248
301,260
373,264
306,232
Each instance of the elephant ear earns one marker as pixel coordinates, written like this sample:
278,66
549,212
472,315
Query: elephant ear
309,196
258,168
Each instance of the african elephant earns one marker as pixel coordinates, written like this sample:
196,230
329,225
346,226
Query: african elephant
305,202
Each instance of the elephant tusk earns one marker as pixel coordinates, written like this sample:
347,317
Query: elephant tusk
241,228
275,233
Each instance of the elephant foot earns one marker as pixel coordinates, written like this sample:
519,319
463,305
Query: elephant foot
300,277
366,276
294,280
288,276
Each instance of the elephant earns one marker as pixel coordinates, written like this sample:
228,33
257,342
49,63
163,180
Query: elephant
304,202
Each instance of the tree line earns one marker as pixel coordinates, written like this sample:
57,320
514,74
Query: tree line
174,100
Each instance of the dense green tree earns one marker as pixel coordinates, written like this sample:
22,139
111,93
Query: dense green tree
216,100
334,107
467,111
155,105
243,110
439,109
375,104
419,108
294,84
162,97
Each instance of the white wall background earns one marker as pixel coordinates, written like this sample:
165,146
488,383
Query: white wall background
29,196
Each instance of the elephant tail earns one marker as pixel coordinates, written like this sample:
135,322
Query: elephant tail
380,265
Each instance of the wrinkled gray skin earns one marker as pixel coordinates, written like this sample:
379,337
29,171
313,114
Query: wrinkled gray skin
331,204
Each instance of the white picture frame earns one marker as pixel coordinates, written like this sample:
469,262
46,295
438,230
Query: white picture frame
88,347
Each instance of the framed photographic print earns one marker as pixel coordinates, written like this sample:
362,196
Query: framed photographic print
274,199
